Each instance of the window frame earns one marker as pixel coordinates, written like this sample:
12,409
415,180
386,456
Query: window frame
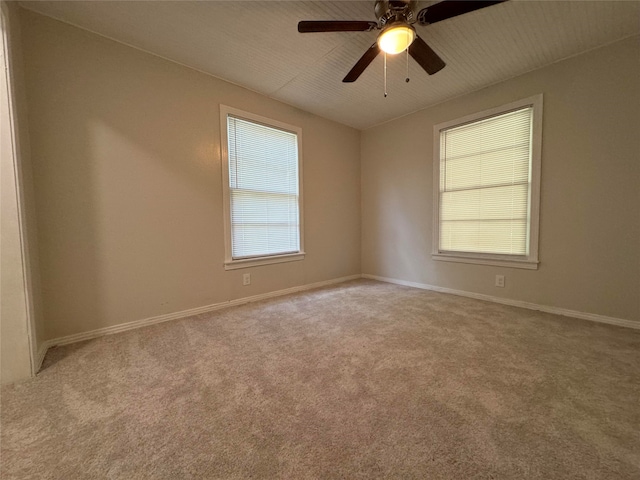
530,261
229,262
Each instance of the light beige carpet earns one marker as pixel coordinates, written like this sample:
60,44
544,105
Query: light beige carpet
362,380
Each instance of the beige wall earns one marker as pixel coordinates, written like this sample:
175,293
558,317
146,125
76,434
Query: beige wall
126,168
590,189
126,159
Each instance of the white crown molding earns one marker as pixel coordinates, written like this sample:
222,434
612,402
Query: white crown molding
620,322
123,327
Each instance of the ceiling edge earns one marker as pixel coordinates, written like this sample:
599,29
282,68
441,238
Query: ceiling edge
626,37
139,49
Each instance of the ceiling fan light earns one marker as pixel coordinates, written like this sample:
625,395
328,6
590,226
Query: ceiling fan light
396,39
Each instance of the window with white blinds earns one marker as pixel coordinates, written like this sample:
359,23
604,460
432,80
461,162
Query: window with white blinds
488,184
263,188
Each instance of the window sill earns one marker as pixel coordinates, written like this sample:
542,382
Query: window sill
256,262
497,262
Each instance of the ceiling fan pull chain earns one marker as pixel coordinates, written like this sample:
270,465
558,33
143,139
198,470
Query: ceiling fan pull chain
385,74
407,79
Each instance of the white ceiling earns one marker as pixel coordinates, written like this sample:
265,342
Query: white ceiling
256,45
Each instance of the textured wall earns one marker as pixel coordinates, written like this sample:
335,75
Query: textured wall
126,157
590,195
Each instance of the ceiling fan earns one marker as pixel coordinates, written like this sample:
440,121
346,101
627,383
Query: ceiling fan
395,20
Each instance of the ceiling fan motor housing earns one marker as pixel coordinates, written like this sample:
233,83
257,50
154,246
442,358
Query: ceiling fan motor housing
394,10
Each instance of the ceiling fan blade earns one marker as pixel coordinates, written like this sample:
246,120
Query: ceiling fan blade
309,26
451,8
427,58
362,64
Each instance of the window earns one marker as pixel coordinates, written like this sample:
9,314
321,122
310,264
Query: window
262,194
487,186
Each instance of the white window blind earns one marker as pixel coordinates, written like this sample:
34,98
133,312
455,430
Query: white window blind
264,190
485,185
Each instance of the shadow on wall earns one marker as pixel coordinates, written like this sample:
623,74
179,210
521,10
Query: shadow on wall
128,186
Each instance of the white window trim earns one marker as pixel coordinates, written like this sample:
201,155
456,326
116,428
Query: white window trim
229,262
528,262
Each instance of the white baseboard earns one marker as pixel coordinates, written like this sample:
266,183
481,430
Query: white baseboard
621,322
123,327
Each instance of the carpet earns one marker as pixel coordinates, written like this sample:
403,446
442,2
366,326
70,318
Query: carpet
360,380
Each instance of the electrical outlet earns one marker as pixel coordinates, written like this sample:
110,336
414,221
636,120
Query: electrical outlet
246,279
500,281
